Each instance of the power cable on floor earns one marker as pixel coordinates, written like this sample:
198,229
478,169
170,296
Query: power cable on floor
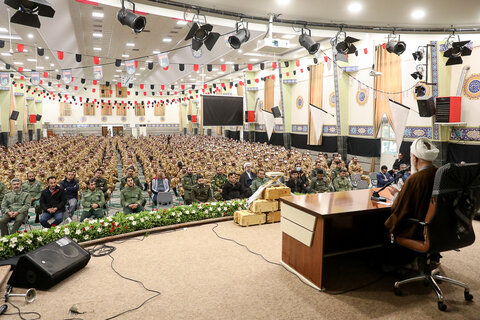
299,278
20,313
107,250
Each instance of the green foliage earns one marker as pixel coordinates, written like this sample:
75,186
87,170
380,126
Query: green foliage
23,242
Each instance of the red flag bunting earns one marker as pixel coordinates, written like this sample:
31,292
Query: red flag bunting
20,69
274,65
163,87
223,67
325,58
95,82
297,63
60,55
183,87
257,81
45,74
119,84
141,86
195,67
96,60
288,74
384,46
76,88
166,68
136,64
20,47
365,50
250,66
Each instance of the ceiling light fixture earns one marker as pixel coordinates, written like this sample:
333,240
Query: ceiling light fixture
307,42
202,34
167,39
97,49
29,10
97,35
130,44
30,36
355,7
129,18
241,36
283,2
418,14
456,50
97,14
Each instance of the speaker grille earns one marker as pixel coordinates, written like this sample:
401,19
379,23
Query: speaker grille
443,110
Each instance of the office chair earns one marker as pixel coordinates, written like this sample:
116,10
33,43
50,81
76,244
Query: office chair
448,224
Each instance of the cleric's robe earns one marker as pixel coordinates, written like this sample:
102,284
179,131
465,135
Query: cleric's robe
412,202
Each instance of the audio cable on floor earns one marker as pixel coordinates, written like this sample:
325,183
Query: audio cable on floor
299,278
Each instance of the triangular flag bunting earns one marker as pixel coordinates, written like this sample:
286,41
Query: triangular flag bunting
318,119
399,114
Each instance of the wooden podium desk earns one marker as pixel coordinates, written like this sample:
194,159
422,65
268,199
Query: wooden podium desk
317,226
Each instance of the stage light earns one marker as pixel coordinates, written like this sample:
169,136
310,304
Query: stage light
202,34
344,45
29,10
396,46
129,18
456,50
307,42
420,91
418,55
241,36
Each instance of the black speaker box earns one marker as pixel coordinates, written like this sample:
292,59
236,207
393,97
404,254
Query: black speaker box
426,107
48,265
39,117
14,115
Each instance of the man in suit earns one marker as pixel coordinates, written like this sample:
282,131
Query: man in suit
383,177
246,179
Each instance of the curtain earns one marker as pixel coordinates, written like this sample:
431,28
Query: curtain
269,94
315,98
240,91
121,110
389,64
159,110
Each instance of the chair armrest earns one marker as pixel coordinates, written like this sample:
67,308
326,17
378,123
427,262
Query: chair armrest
423,223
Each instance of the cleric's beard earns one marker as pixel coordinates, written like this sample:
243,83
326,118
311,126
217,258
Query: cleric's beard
414,169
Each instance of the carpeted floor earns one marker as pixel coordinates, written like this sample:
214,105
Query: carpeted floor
203,277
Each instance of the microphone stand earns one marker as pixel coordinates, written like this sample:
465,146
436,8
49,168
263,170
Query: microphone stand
376,194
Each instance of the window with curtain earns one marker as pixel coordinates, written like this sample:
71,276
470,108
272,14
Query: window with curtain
315,98
159,110
389,64
269,94
140,110
389,146
121,109
65,109
106,109
88,109
240,91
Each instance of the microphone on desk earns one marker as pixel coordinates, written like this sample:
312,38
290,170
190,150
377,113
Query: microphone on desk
376,194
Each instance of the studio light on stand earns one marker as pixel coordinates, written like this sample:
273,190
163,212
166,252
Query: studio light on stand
241,36
29,10
129,18
307,42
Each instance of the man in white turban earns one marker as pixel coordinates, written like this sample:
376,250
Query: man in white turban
414,198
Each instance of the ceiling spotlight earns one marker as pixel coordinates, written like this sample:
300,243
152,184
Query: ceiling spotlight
396,46
129,18
307,42
418,74
202,34
420,91
29,10
241,36
456,50
418,55
344,45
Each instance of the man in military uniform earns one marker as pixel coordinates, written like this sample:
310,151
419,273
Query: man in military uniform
319,183
318,167
15,206
3,191
102,184
34,188
259,180
92,201
22,172
341,182
131,197
136,181
219,179
355,168
201,192
188,181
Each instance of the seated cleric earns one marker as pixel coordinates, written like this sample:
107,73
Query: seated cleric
414,198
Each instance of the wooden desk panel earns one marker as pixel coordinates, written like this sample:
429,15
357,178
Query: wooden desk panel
345,221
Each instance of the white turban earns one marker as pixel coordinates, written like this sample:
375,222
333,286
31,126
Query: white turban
420,150
246,164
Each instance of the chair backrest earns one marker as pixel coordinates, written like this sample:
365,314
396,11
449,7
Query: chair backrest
355,177
164,199
362,184
456,195
373,178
